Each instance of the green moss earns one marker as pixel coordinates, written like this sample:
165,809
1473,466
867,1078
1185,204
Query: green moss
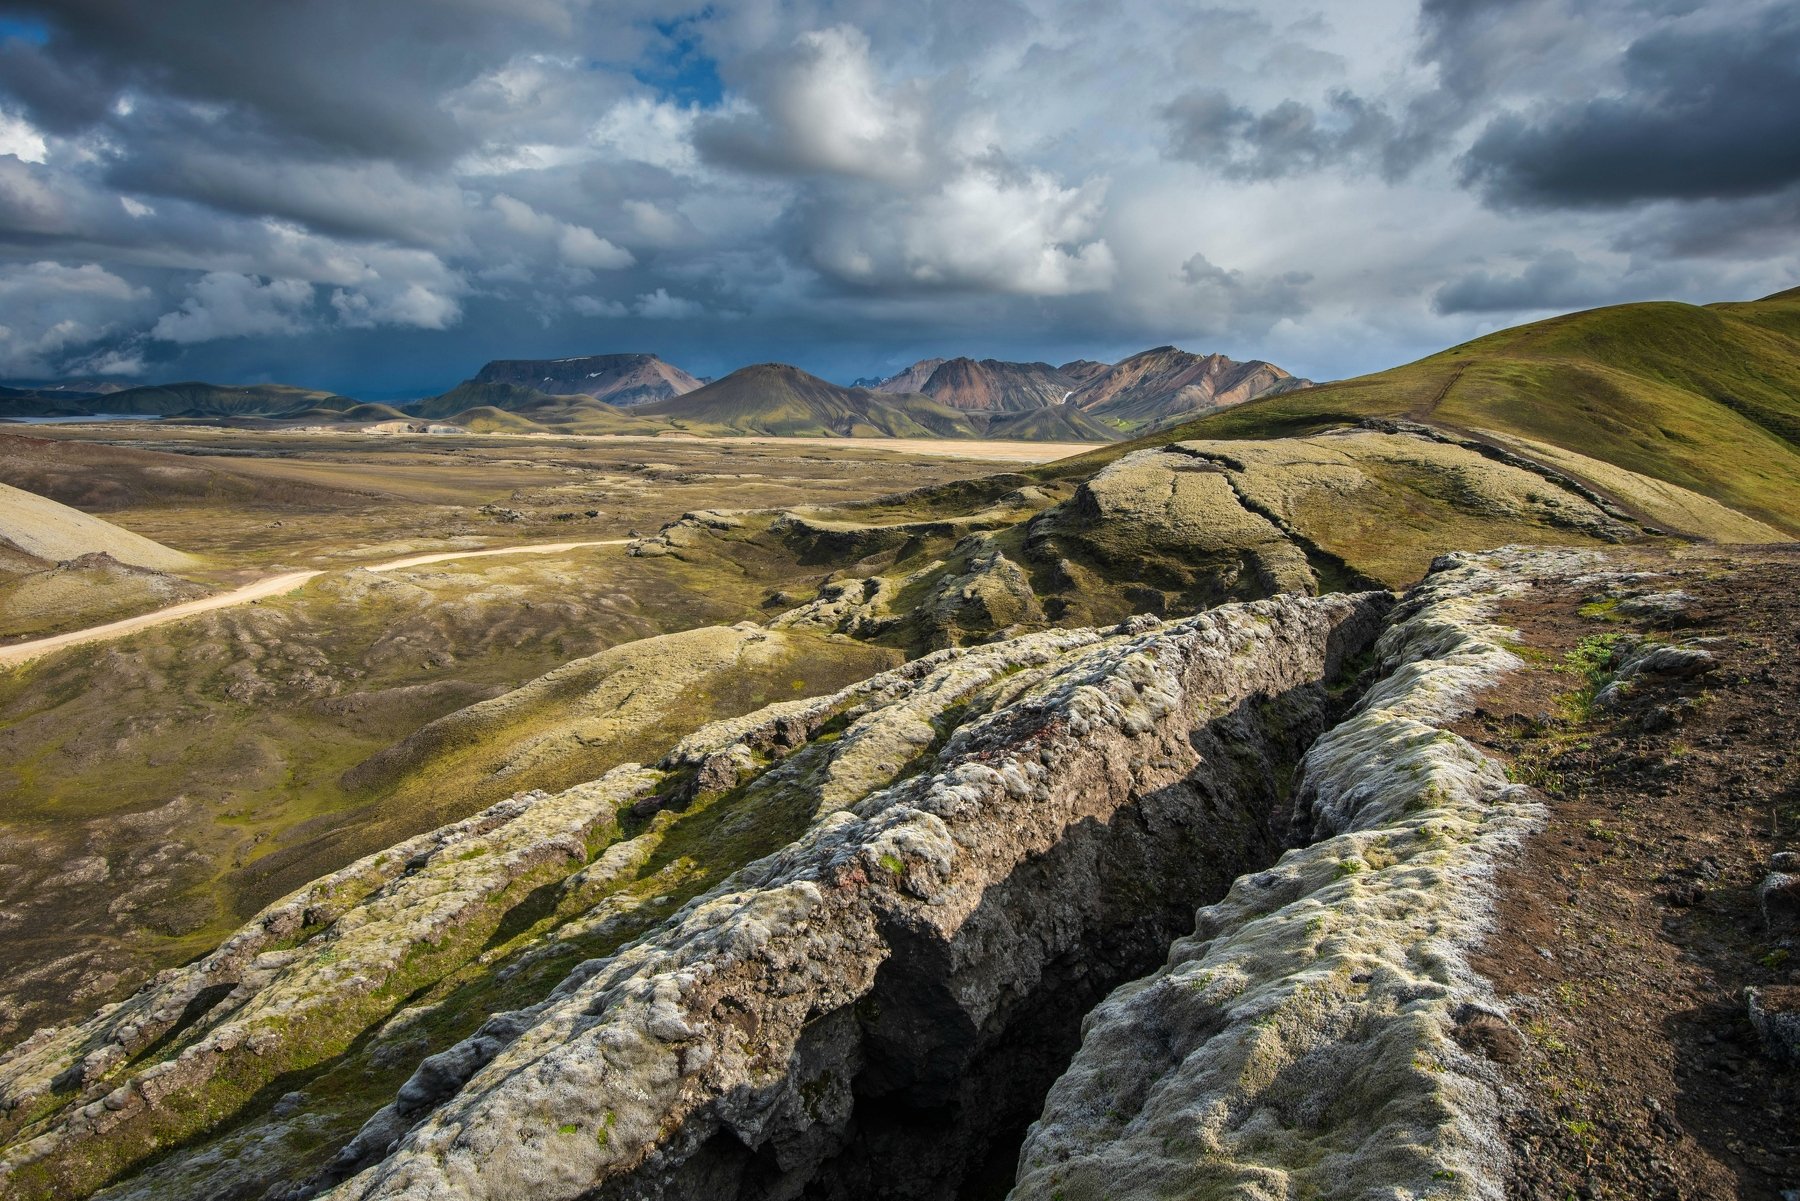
1604,609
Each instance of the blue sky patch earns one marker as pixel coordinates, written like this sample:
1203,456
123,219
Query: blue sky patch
26,28
677,68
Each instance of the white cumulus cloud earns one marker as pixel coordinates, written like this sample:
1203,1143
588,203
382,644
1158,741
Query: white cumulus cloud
226,304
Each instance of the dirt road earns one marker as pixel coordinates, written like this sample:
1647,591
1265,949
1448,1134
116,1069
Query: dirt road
268,586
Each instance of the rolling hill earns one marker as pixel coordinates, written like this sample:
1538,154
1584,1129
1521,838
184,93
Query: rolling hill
54,532
197,399
474,404
46,402
776,399
549,386
620,379
1703,398
1052,423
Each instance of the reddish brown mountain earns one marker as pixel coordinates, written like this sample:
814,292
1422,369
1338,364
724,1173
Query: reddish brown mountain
1080,371
1165,383
912,379
992,386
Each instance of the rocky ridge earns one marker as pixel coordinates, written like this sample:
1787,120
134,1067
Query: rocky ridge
1318,1034
1020,761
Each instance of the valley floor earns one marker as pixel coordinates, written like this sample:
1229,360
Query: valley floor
250,593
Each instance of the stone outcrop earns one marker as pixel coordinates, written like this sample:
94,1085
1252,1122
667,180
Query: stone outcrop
1173,522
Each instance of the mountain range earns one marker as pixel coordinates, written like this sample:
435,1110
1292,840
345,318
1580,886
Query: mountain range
186,399
1082,400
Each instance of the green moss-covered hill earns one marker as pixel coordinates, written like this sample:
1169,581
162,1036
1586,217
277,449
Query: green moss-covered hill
1706,398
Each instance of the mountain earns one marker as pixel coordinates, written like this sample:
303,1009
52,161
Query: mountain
990,385
74,398
776,399
1080,371
1629,400
196,399
620,379
1167,382
34,402
911,380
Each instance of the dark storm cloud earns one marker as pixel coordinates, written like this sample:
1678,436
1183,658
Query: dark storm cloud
63,96
1702,114
340,75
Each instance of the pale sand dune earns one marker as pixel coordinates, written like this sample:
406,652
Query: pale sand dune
266,587
996,450
55,533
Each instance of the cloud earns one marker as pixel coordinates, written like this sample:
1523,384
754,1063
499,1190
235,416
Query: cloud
1231,293
1557,280
1290,138
50,312
593,306
984,229
1702,113
838,181
19,139
223,304
412,305
820,108
576,245
643,130
660,306
284,69
358,200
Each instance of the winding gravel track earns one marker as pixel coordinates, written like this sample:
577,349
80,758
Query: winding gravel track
267,586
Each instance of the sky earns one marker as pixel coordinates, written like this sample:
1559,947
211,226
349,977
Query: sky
377,198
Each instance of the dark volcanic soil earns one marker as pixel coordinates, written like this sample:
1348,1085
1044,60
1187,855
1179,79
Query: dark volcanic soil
1630,928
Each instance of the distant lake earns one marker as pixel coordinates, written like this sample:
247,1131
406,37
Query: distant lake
77,420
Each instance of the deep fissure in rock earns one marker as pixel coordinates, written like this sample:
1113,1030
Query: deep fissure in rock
923,1090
